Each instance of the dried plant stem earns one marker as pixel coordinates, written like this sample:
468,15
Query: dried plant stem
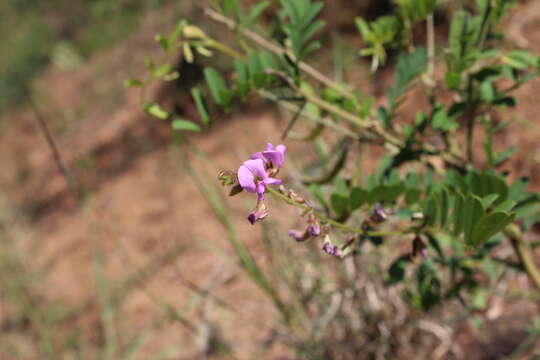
57,156
523,251
430,25
268,45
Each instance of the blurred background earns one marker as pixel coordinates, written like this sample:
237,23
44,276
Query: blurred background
132,258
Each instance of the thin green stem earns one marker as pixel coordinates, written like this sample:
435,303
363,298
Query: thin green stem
333,222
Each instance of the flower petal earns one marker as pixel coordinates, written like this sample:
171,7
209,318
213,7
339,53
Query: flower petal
261,188
272,181
257,155
256,167
246,178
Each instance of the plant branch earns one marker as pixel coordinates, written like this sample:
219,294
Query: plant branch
268,45
333,222
57,156
523,251
430,25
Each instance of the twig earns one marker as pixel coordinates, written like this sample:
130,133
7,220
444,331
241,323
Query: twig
57,156
334,222
523,251
216,16
293,120
431,58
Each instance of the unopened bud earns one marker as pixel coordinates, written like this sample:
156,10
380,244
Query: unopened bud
259,213
378,216
330,248
227,177
237,189
419,248
193,32
417,216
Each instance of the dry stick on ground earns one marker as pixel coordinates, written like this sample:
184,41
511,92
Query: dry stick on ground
57,156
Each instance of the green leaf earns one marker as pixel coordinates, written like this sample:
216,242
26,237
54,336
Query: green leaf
488,226
473,211
505,206
453,79
444,207
201,106
431,209
487,91
396,272
458,214
162,70
254,13
340,203
216,84
341,187
156,111
256,70
358,197
503,156
488,200
517,188
231,7
317,192
182,124
520,59
132,82
162,41
410,65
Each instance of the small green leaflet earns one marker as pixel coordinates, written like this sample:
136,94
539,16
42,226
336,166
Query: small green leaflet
182,124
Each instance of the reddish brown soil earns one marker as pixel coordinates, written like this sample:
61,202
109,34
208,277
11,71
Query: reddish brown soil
140,203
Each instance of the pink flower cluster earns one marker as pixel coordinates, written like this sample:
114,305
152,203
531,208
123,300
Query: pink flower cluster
257,173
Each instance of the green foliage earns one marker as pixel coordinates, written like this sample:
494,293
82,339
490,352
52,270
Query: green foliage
378,35
302,25
455,213
409,66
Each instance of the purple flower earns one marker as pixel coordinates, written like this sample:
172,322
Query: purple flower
297,235
314,230
378,215
253,178
273,157
330,248
259,213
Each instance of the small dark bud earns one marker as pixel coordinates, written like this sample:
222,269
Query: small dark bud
237,189
378,216
419,248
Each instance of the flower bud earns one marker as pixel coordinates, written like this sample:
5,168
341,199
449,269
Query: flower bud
259,213
314,229
417,216
419,248
193,32
378,216
298,235
227,177
330,248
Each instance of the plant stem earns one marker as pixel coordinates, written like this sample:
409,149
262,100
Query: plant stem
332,221
216,16
51,142
470,116
523,251
430,25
